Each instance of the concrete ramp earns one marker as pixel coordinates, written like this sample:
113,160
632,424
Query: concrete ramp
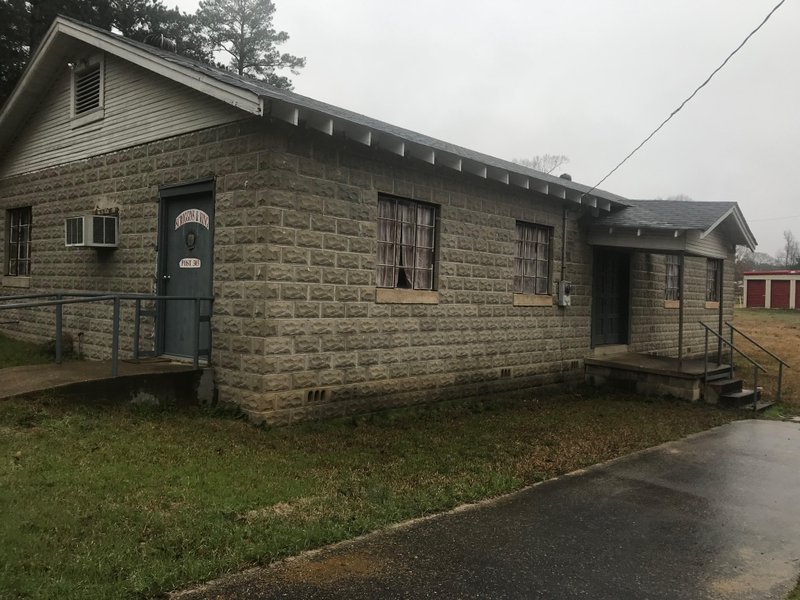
158,379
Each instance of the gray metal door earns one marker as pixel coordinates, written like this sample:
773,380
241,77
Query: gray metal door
186,252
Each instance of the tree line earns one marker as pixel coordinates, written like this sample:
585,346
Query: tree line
241,30
788,257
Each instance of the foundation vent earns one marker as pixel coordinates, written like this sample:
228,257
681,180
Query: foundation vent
505,372
318,395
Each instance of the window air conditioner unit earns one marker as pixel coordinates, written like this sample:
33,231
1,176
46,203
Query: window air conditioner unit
98,231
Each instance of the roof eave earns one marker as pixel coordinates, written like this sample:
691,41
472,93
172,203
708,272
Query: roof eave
240,98
296,113
15,104
18,103
293,110
741,224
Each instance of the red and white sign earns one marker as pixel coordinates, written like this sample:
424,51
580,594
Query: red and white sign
189,263
192,215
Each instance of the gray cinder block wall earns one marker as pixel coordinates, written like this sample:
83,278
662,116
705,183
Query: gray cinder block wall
297,330
654,328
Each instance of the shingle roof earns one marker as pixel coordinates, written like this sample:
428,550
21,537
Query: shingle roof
267,91
667,214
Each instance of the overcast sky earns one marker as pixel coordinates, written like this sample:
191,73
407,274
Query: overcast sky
585,78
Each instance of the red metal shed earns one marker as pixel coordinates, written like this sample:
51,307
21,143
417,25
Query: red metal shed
780,293
772,289
756,293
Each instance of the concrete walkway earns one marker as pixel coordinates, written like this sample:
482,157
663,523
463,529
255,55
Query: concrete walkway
713,516
18,381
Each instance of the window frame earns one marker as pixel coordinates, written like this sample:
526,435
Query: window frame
12,246
714,271
672,274
97,113
520,260
415,287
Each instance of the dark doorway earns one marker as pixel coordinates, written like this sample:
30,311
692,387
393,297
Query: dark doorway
610,297
186,251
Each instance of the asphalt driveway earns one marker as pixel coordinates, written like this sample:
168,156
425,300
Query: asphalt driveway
713,516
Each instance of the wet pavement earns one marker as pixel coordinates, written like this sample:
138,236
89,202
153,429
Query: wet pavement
712,516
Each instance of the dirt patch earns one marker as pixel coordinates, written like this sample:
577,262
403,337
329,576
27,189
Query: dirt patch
335,568
281,509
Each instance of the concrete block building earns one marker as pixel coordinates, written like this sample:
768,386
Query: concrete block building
353,264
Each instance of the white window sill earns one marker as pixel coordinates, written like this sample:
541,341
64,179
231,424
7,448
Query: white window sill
533,300
98,114
402,296
14,281
672,303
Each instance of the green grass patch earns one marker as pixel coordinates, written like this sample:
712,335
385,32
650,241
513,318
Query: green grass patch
127,502
14,353
795,594
767,315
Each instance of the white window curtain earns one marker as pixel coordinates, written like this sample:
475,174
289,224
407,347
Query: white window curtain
387,246
406,240
673,279
532,262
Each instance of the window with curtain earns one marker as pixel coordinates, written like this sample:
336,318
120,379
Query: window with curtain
406,243
713,270
18,247
672,287
532,262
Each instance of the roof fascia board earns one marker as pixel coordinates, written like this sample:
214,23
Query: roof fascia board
718,222
237,97
740,223
29,71
257,103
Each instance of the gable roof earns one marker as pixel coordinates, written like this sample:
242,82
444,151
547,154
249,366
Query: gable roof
258,98
66,36
682,215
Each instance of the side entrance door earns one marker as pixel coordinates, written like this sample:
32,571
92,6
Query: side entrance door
185,265
610,297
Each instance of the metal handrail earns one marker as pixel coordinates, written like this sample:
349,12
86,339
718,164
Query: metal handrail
748,338
781,363
56,302
756,367
749,359
63,297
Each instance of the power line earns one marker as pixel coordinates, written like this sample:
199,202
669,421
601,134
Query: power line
692,95
774,218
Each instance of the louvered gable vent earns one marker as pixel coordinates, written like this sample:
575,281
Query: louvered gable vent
87,90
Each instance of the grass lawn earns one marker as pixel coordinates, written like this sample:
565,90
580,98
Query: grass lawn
795,595
127,502
779,332
14,353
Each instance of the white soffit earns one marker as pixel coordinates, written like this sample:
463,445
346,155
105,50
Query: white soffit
332,125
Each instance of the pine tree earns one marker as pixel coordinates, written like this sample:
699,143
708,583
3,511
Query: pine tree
244,30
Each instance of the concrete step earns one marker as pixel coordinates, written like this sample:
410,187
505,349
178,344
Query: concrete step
738,399
760,405
726,386
716,374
